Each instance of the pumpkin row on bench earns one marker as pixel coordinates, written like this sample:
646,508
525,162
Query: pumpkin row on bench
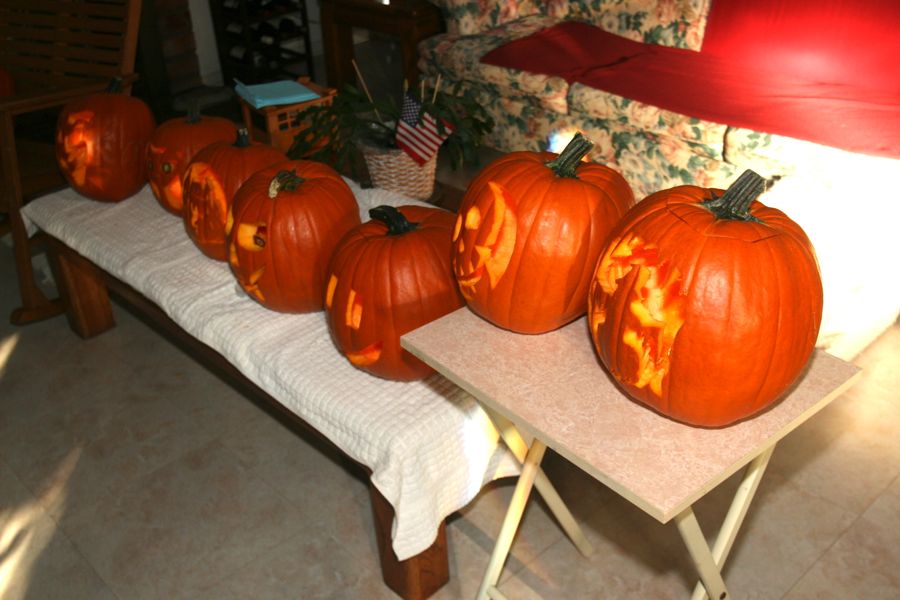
702,304
277,222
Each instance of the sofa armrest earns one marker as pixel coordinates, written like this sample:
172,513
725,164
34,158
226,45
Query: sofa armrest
677,23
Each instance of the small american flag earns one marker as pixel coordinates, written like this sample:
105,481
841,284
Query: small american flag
420,141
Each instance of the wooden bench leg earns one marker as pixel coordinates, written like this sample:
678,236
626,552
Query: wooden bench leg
83,291
415,578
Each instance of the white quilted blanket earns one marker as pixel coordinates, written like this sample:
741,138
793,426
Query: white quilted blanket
429,445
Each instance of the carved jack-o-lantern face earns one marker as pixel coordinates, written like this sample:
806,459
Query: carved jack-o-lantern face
101,140
78,145
352,318
282,228
208,206
166,167
655,303
492,236
387,277
173,145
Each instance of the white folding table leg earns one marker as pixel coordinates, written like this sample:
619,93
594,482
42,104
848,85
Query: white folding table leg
519,448
700,554
736,513
709,563
530,468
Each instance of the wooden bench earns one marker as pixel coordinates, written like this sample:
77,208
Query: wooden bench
417,444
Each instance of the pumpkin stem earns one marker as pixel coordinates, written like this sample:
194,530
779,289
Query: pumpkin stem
735,203
284,180
193,114
396,223
568,160
243,138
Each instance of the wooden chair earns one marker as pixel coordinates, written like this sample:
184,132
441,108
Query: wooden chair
55,50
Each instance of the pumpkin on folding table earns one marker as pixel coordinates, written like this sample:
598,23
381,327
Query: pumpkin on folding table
174,144
387,277
529,231
100,143
284,224
706,305
210,182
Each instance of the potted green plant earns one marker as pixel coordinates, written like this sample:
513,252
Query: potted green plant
356,129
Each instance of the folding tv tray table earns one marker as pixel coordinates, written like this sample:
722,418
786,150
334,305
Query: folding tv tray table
552,388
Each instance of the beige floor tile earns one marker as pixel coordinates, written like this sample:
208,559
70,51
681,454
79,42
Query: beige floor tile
37,560
863,562
849,453
184,527
315,563
784,533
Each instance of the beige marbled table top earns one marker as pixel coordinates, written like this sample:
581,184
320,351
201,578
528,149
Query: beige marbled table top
553,387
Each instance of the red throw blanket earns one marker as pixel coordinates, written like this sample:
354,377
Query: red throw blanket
762,92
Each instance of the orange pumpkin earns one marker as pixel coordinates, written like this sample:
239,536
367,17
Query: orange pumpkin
387,277
173,145
285,223
210,182
706,305
100,144
528,234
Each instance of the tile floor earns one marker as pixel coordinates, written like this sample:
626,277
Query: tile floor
128,471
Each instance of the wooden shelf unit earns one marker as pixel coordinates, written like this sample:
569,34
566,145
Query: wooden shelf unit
262,40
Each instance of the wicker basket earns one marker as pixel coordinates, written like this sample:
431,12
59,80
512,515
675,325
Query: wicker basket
393,169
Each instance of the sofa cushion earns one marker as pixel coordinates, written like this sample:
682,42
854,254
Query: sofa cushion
468,17
457,58
703,138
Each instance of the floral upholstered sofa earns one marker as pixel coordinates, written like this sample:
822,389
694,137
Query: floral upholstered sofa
652,148
658,145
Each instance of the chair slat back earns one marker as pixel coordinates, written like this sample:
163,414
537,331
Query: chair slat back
48,43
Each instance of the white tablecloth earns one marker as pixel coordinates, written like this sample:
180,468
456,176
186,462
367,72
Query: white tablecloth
429,445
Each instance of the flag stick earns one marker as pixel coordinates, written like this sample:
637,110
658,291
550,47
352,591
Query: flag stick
437,84
366,89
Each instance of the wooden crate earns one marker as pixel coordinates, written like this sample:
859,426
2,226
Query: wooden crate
279,125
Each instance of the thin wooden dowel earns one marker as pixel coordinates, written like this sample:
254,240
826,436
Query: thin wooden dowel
365,88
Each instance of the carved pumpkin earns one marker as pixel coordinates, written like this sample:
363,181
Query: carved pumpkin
285,223
212,178
528,234
100,144
387,277
706,306
173,145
